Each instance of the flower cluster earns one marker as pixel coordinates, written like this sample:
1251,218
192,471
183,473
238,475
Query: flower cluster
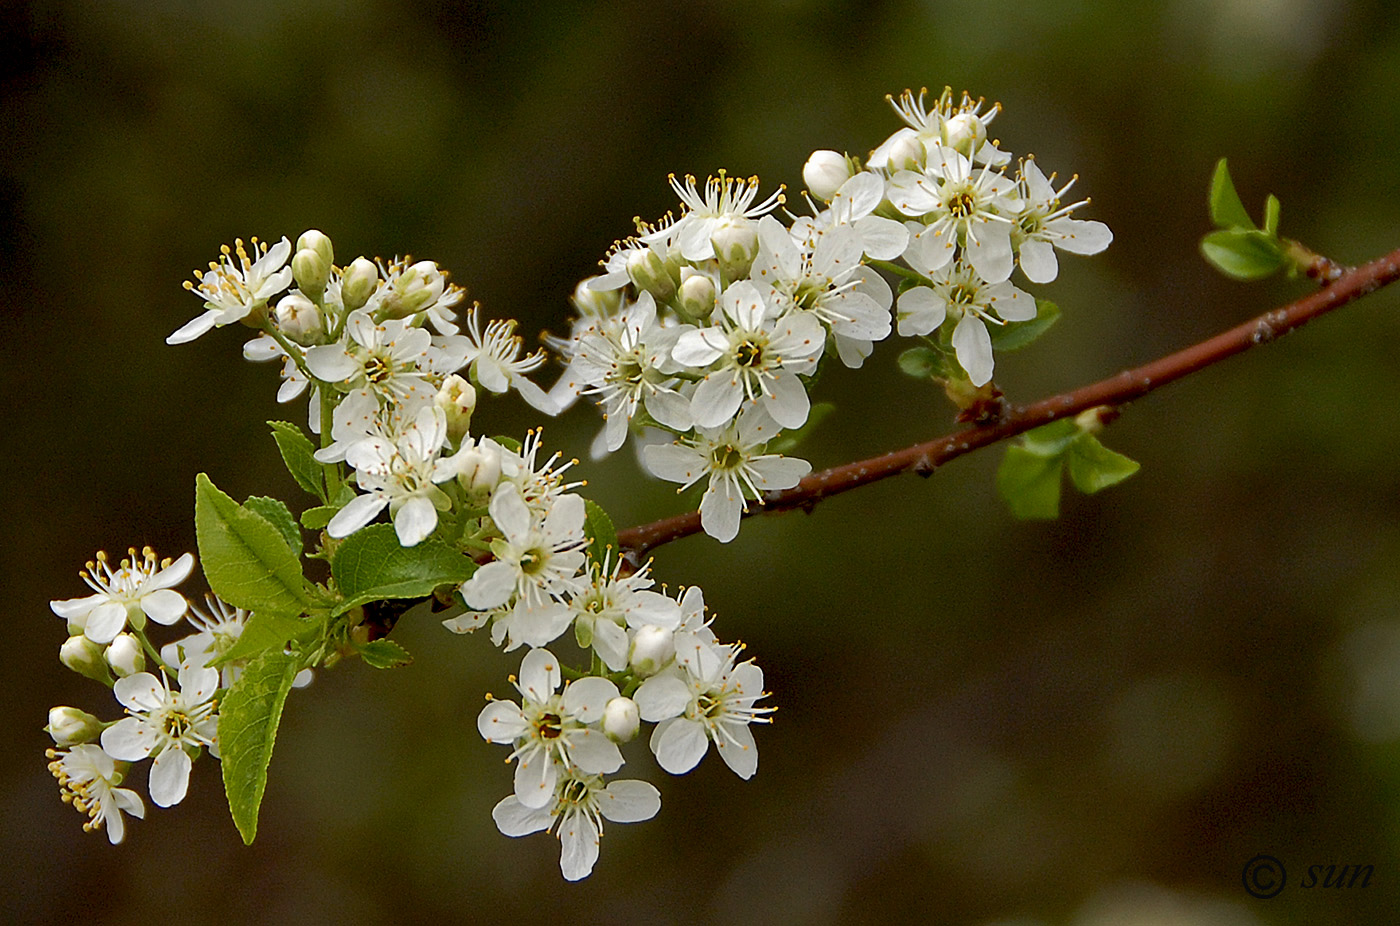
710,328
171,712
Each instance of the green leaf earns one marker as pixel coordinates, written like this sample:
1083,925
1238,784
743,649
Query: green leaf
602,536
372,565
1092,466
788,441
297,452
279,516
1243,254
1051,440
266,631
1015,335
1226,210
383,654
922,363
246,560
248,719
509,443
313,519
1271,210
1030,483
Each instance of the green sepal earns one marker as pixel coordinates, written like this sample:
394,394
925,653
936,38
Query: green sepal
267,630
509,443
372,565
383,654
1243,254
602,535
299,454
923,363
314,519
1092,466
279,516
1226,209
1030,483
583,633
249,714
1015,335
246,559
788,441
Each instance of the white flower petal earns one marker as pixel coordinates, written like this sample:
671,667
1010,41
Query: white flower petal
170,777
679,745
629,801
515,819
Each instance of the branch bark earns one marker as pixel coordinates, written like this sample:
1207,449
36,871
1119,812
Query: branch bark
1113,392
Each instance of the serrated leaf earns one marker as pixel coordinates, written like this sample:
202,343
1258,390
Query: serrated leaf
248,718
279,516
1092,466
246,560
1053,439
1271,211
1030,484
1015,335
383,654
1243,254
297,452
602,536
788,441
314,519
265,631
1226,210
921,363
372,565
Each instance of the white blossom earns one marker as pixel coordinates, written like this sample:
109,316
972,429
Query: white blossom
136,589
235,288
88,779
166,724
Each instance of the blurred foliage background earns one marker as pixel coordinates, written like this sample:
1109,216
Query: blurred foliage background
1095,720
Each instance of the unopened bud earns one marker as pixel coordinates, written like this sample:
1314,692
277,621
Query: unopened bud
84,657
358,282
621,720
652,649
696,297
124,655
299,319
649,272
824,173
419,285
311,272
735,240
596,302
314,240
457,398
479,469
907,153
964,133
70,727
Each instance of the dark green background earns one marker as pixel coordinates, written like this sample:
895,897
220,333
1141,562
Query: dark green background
1096,720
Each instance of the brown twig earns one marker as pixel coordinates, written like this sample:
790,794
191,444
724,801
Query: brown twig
1112,392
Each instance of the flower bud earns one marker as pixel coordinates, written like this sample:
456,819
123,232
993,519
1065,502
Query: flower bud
735,240
652,648
311,272
824,173
84,657
124,655
314,240
420,284
299,319
649,272
621,720
457,398
601,303
479,469
907,153
696,297
70,727
964,133
358,282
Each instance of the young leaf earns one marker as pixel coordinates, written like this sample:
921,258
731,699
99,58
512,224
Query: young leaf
1092,466
1271,210
313,519
278,515
371,565
1053,439
265,631
297,450
1226,210
246,560
922,363
1243,254
602,536
383,654
248,719
1030,483
1015,335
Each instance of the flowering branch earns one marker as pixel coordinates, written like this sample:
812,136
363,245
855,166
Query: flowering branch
1111,393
